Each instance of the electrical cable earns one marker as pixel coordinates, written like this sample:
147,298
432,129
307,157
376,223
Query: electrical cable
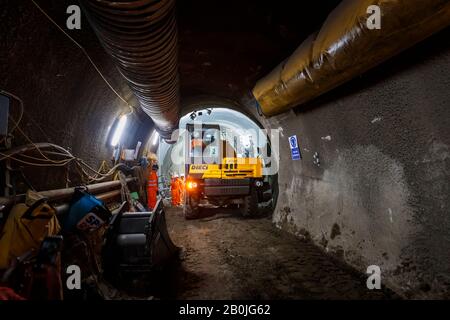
16,126
41,145
81,164
51,161
22,113
86,54
54,163
37,148
35,164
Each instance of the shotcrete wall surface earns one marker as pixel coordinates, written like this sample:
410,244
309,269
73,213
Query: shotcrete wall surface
66,101
380,194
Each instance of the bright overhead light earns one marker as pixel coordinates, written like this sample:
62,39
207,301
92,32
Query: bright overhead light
155,137
119,130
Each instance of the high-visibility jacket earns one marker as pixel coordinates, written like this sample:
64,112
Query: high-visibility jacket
197,143
181,187
175,190
152,189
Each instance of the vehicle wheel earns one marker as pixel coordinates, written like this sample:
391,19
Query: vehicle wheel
250,206
191,208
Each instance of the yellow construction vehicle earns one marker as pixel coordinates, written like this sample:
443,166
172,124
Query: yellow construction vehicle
215,175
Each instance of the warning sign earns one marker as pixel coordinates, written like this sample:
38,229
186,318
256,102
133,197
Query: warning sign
295,151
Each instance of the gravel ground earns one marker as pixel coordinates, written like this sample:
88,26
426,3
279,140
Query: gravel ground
225,256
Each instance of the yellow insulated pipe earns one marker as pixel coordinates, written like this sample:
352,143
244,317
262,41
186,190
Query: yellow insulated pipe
347,45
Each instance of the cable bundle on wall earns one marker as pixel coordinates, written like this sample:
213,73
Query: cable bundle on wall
47,152
141,36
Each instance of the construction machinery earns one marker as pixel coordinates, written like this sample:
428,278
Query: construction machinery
137,242
217,175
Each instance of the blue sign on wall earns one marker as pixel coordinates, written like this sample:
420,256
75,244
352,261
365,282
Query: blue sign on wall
295,150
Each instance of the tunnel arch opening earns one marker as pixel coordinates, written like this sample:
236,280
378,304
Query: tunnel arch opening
245,135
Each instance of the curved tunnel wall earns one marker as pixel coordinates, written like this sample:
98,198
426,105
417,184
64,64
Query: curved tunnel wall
381,194
66,102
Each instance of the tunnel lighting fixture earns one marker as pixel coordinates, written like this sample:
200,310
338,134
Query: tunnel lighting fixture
119,130
155,138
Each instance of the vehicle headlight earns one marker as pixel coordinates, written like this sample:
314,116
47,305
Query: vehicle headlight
191,185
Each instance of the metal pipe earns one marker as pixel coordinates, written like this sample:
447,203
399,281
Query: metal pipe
66,193
109,195
346,46
141,37
63,208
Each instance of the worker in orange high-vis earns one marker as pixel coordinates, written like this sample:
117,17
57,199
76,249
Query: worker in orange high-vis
175,190
182,187
152,183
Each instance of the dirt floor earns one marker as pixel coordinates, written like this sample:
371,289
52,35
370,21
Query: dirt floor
225,256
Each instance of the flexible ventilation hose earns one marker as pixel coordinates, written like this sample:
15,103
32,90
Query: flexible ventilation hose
141,36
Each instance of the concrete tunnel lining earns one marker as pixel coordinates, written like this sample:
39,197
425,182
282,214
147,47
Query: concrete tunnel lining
381,192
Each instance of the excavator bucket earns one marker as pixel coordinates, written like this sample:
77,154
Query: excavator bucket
137,242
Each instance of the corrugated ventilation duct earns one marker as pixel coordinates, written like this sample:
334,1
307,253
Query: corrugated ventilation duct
141,36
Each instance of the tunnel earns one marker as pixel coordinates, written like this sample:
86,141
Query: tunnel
238,150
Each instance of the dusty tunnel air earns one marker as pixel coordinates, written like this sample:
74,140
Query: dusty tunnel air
237,150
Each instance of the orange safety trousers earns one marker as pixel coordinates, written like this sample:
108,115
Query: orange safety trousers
175,189
181,187
152,189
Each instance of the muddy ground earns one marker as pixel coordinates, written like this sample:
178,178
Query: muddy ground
224,256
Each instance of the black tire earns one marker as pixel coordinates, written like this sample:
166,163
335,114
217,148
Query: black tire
250,206
191,208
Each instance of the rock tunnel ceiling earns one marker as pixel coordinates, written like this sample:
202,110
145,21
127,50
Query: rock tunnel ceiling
360,187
